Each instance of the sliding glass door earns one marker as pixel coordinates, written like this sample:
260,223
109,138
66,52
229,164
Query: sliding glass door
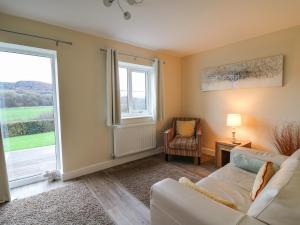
29,113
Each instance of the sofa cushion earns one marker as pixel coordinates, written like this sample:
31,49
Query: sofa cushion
265,156
280,197
187,182
262,178
295,155
247,163
185,143
230,173
285,206
228,191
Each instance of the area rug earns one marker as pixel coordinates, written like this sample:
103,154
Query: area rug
138,177
70,205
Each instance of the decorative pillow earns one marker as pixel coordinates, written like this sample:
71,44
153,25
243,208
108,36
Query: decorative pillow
187,182
246,163
262,178
185,128
277,183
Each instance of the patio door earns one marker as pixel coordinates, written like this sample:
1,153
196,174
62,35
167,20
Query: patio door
29,113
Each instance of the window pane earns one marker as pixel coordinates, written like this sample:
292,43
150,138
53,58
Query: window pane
138,81
124,102
123,78
138,101
139,92
123,89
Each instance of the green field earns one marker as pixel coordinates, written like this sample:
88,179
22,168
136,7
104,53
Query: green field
28,141
20,114
24,113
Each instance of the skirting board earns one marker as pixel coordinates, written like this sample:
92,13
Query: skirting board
208,151
107,164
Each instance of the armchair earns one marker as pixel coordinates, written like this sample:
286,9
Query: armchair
183,146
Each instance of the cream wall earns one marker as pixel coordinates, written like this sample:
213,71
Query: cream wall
81,75
261,108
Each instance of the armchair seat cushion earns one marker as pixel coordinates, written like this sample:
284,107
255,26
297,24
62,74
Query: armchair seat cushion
184,143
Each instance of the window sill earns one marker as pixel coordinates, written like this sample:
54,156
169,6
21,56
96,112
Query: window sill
137,119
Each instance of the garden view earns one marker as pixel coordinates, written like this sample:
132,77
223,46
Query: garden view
26,115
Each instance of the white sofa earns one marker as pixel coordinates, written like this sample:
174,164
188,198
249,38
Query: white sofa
279,202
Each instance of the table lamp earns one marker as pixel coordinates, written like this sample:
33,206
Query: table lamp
234,120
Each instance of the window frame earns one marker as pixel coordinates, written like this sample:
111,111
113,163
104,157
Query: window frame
137,68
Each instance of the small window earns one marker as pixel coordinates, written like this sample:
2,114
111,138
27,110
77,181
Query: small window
134,90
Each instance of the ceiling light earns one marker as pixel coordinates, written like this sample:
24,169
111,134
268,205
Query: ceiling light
108,3
134,2
131,2
126,14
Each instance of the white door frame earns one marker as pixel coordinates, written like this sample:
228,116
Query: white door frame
27,50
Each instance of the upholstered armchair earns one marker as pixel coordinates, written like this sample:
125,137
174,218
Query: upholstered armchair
183,146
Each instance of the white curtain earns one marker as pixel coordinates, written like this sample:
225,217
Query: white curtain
158,90
4,189
112,88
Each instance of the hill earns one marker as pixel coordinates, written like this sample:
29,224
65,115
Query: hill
32,86
25,93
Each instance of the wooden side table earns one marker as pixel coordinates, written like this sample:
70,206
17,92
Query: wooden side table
223,148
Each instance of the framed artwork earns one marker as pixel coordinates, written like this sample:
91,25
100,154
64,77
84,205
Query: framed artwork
261,72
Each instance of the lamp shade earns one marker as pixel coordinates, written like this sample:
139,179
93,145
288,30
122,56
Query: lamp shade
234,120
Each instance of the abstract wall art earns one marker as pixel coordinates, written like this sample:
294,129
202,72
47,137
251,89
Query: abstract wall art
261,72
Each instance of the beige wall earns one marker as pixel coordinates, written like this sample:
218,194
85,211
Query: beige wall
261,108
81,67
81,74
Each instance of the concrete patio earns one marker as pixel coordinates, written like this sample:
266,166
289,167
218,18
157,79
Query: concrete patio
30,162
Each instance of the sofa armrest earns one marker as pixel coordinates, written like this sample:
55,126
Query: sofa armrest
249,220
173,203
265,156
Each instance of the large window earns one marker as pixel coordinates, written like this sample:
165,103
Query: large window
135,90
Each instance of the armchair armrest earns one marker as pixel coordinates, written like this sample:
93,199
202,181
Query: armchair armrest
198,138
199,132
168,136
169,131
250,154
173,203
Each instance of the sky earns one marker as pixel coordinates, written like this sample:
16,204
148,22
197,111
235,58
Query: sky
138,83
19,67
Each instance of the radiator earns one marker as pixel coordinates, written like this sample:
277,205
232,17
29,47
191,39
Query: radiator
134,138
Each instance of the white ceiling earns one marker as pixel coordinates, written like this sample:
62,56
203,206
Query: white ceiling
179,27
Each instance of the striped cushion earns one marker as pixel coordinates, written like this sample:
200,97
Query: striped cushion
184,143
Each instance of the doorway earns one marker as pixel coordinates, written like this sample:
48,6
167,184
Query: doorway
29,113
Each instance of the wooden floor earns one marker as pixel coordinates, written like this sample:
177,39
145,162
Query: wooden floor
121,205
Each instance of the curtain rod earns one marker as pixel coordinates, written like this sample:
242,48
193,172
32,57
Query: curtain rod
57,41
135,56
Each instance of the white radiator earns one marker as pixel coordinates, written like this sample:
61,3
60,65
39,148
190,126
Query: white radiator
134,138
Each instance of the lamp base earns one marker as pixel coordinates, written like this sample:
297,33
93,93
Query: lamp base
233,140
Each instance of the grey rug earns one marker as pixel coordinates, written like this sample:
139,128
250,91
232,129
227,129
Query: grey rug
138,177
70,205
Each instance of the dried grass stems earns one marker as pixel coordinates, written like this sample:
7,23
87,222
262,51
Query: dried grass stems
287,138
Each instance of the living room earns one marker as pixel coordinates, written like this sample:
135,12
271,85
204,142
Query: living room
139,95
